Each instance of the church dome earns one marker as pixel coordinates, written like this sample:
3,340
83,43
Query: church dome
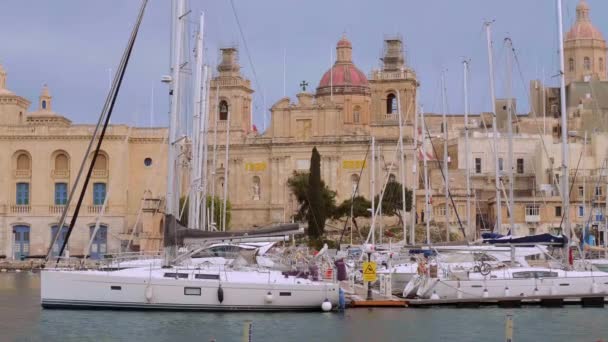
343,77
583,27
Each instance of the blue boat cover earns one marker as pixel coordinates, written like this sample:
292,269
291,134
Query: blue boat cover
531,239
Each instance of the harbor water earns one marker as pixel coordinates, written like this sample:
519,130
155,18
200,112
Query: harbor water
22,319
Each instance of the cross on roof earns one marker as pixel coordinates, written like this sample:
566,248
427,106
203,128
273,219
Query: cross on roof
303,84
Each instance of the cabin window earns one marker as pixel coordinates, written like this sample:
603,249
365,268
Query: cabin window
223,110
116,288
284,294
192,291
176,275
523,275
545,274
207,276
391,104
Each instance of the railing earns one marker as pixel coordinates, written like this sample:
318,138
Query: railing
56,209
532,218
95,209
100,173
23,173
60,173
20,209
390,117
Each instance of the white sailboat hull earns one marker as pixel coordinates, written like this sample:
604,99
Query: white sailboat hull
113,290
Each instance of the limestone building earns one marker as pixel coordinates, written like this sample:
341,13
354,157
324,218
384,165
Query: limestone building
40,154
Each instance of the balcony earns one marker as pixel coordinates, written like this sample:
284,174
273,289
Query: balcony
60,173
21,209
23,173
532,218
56,209
95,209
100,173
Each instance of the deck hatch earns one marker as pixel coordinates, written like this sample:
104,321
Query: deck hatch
207,276
176,275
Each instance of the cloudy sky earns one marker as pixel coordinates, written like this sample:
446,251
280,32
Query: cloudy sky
72,45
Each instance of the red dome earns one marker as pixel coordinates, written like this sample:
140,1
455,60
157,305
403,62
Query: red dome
344,42
344,75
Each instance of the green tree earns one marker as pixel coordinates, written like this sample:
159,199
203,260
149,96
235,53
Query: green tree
360,208
392,201
316,217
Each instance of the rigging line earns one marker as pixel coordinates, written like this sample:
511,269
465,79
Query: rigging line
107,112
571,187
464,233
249,58
352,197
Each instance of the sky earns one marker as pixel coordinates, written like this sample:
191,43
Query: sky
74,46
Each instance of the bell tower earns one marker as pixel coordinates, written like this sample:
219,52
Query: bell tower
44,100
230,92
13,108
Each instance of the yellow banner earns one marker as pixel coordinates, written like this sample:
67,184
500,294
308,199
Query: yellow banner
260,166
369,271
353,164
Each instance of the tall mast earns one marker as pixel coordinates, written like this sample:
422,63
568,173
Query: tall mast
205,149
510,140
197,122
373,189
564,121
427,212
216,115
415,178
402,168
494,128
467,158
227,151
445,156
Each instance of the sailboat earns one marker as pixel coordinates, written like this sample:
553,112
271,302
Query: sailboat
240,286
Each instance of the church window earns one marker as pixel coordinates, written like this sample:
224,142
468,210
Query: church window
587,63
223,110
43,104
23,162
391,104
571,64
601,63
357,114
101,163
61,162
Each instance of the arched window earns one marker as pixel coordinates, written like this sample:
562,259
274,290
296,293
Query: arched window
571,64
23,162
43,104
357,114
601,63
354,180
223,110
256,188
61,162
101,163
391,104
587,63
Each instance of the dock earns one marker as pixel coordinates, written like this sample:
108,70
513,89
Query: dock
555,301
356,298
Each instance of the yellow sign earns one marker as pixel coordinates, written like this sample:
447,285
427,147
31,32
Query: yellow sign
369,271
353,164
260,166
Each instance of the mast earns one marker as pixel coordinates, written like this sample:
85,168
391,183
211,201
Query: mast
564,121
227,150
205,149
402,168
373,190
427,211
467,158
172,200
511,206
494,128
414,210
197,124
445,156
214,164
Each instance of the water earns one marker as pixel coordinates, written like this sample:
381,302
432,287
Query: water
22,319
